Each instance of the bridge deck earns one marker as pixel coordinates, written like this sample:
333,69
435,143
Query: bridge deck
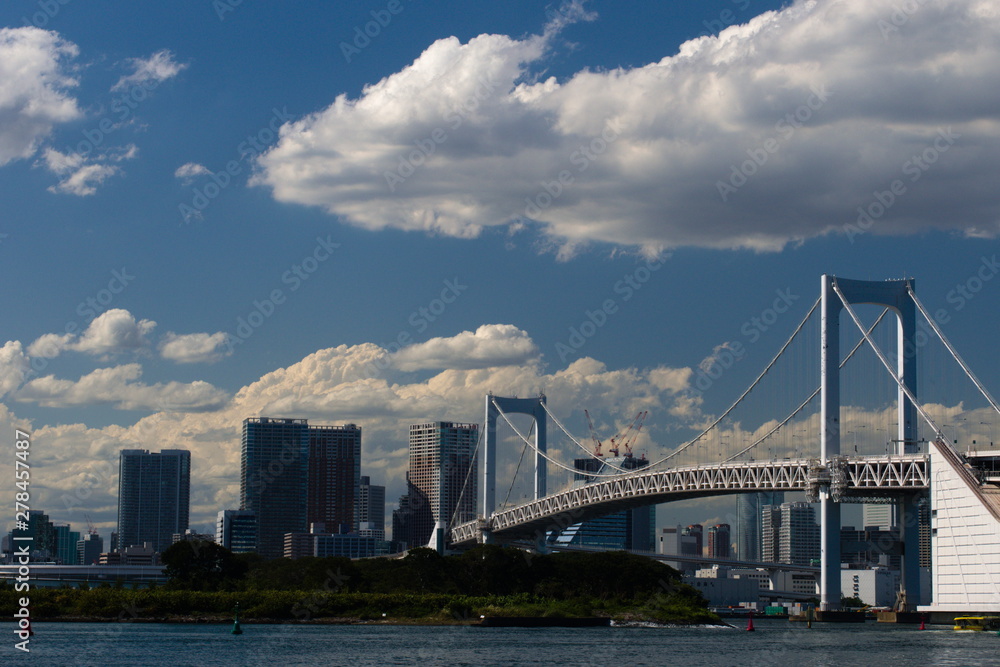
847,477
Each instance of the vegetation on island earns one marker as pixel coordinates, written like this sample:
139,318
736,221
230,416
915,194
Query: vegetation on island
206,582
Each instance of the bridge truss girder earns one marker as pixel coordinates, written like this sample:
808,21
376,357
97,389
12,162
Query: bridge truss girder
892,476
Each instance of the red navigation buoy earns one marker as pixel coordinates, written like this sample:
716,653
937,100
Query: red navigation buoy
750,627
922,626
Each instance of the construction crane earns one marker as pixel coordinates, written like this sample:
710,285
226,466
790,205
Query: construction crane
593,434
626,441
90,525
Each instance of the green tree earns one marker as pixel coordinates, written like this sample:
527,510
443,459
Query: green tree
201,565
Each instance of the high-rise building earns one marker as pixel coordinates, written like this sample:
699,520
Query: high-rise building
334,475
43,545
770,526
696,532
880,516
371,509
719,545
748,523
414,513
66,540
633,529
89,549
154,496
870,547
274,470
236,530
442,471
790,534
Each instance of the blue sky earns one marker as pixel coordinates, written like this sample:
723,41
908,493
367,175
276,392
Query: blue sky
506,167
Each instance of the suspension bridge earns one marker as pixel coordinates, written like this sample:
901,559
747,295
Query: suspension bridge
726,457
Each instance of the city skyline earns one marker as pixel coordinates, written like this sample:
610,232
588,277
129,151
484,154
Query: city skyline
379,223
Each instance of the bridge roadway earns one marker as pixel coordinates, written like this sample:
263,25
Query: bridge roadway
849,479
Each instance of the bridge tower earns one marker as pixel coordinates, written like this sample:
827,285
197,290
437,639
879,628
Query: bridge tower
527,406
891,294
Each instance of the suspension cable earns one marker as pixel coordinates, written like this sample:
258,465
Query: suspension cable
472,466
808,400
540,452
954,352
577,442
518,468
885,362
744,394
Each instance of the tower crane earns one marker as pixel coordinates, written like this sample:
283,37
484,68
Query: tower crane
626,441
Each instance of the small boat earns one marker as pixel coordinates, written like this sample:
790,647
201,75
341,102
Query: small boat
977,623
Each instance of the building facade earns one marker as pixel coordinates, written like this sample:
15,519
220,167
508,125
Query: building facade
89,549
66,540
154,496
789,534
443,474
749,532
334,475
719,545
236,530
371,509
274,469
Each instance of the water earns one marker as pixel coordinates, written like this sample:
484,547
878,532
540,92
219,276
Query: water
774,643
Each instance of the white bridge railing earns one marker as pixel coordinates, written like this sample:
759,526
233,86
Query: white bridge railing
845,476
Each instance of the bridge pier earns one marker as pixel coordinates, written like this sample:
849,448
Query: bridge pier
894,295
908,511
528,406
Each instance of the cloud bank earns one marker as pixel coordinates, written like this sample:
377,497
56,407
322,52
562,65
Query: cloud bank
35,77
770,133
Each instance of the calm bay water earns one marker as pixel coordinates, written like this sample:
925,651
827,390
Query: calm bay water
774,643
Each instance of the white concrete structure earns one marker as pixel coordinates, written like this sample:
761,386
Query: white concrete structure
965,524
875,587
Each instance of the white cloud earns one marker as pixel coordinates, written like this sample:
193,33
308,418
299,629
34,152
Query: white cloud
117,386
150,71
187,172
82,182
341,385
14,364
35,73
335,385
115,331
831,102
50,346
489,346
79,174
194,348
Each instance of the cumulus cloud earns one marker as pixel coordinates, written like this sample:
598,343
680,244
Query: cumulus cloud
340,385
81,174
489,346
331,386
115,331
150,71
772,132
117,386
194,348
14,364
50,346
187,172
35,73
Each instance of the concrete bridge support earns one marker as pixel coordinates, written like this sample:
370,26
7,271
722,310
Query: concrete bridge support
528,406
892,294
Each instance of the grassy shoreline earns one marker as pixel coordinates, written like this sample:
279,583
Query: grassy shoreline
207,582
318,607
